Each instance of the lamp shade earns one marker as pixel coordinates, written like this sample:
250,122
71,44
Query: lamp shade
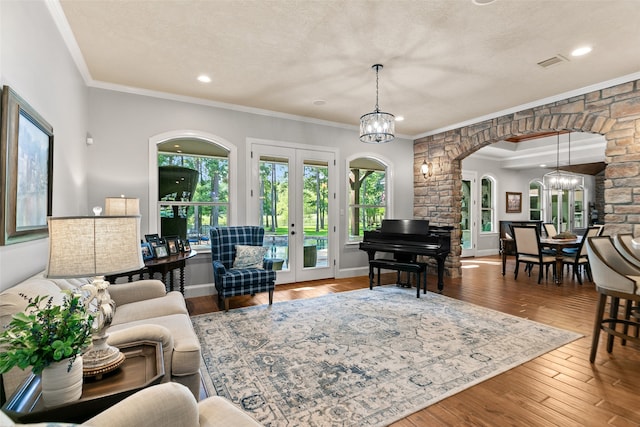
121,206
93,246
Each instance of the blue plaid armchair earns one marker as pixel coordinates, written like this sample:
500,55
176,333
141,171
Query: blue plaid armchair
232,281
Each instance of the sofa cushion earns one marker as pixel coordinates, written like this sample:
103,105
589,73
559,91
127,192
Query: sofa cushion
186,347
171,303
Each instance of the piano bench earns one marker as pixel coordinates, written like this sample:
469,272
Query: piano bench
408,267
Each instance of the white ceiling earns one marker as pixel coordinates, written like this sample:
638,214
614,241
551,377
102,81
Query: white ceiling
446,62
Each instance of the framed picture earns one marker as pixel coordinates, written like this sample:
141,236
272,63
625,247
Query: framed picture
186,246
173,244
159,249
147,251
26,154
514,202
150,238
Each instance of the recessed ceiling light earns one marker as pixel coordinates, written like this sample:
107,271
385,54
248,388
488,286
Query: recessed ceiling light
203,78
482,2
399,118
543,165
581,51
319,102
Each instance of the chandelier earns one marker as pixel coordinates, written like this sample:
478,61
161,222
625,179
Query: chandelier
377,127
561,180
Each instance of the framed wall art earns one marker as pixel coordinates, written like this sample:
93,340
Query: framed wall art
514,202
26,159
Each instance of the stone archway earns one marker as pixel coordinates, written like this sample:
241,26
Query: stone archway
612,112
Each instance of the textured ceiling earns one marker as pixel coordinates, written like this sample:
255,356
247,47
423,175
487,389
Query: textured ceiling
445,61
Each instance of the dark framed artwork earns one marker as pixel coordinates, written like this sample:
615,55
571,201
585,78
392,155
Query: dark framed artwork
159,249
150,238
26,162
173,244
186,245
514,202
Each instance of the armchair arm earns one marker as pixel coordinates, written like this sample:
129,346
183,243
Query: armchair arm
268,264
218,270
163,405
124,293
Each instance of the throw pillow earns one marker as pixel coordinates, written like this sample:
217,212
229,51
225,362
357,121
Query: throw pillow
249,256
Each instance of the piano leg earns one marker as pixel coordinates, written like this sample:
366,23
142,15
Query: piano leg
440,273
371,276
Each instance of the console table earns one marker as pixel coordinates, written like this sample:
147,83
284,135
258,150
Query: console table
163,266
143,367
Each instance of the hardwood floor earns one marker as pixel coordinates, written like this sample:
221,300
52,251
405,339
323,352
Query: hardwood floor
559,388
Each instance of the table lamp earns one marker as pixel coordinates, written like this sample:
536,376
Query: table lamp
95,246
121,206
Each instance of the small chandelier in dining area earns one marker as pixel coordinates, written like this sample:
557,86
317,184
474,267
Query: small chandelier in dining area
377,127
561,180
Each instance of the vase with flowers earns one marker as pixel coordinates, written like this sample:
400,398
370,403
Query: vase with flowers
49,338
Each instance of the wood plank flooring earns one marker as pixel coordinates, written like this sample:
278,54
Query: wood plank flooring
560,388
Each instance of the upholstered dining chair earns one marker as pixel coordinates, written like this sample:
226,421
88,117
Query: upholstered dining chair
239,266
624,244
579,260
550,229
528,251
616,279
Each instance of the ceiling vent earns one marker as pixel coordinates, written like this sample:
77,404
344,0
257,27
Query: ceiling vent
552,61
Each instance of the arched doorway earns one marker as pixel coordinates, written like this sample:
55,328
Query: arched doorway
613,112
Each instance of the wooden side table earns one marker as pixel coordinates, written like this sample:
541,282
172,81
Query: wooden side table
143,367
163,266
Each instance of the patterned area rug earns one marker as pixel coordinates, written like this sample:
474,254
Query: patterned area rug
360,358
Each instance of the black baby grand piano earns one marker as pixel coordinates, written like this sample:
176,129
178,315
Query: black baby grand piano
406,239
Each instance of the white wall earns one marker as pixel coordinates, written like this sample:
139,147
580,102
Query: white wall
122,123
35,63
508,180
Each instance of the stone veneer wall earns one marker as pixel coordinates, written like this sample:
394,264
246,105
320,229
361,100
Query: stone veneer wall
613,112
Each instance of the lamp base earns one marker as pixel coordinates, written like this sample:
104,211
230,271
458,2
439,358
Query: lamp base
101,358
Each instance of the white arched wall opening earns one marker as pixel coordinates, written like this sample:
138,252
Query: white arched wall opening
205,138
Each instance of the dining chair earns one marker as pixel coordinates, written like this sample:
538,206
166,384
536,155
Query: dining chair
528,251
615,279
550,229
579,260
624,244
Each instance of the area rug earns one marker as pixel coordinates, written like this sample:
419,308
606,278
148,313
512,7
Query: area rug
360,358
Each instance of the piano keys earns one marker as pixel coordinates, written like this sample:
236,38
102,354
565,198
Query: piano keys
408,238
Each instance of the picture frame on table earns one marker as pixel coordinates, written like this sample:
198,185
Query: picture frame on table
26,159
186,246
159,249
150,238
514,202
147,251
173,244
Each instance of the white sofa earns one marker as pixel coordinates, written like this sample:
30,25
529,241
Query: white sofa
164,405
144,311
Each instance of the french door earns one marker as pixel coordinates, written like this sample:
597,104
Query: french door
294,199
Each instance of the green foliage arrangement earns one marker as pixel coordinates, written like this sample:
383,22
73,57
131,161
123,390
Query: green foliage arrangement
45,333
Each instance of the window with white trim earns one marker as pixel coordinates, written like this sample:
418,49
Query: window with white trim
487,210
368,196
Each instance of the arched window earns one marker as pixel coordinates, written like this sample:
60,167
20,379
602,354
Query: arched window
536,206
368,195
487,210
192,180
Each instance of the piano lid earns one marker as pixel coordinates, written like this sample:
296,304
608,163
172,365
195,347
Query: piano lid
405,226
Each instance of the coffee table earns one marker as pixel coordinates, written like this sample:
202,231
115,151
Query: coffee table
143,367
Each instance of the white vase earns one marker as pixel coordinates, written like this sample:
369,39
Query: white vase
61,386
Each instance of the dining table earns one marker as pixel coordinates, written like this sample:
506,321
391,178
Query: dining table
558,245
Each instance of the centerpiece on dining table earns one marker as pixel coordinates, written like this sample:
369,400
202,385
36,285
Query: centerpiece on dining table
565,235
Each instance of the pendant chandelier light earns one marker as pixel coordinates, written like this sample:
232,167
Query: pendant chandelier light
560,180
377,127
